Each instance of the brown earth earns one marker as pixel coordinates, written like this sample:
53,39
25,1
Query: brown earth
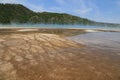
38,56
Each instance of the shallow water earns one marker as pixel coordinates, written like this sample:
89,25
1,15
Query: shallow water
101,42
60,26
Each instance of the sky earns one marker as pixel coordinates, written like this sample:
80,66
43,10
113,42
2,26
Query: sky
97,10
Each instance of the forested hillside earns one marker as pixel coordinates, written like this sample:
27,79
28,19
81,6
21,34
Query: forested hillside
17,13
20,14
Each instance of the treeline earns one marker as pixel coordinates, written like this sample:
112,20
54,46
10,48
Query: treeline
17,13
14,13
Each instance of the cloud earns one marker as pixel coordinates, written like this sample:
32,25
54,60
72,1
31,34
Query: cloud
36,8
78,7
83,7
55,9
83,11
61,2
118,3
12,1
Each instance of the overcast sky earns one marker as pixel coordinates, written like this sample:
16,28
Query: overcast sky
98,10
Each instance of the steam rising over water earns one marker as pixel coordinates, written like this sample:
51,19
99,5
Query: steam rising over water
60,26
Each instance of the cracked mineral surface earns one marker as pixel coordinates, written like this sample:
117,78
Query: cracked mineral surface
38,56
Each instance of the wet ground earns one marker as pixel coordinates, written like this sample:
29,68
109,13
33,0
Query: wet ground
104,48
40,56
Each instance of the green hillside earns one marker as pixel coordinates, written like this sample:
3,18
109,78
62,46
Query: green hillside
16,13
20,14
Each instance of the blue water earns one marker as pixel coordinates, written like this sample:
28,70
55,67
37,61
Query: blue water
60,26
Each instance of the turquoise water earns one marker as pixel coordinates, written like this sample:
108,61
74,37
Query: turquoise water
60,26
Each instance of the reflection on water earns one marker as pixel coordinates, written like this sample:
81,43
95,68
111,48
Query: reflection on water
100,39
104,49
101,43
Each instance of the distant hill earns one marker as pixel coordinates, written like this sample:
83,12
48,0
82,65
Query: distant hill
14,13
17,13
